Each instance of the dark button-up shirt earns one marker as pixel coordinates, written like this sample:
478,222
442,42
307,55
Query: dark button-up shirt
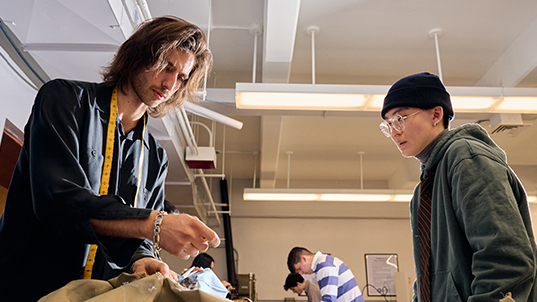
45,227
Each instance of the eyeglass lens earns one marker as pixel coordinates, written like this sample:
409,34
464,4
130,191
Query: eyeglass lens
396,123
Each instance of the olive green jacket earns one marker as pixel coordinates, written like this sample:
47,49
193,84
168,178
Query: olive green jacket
482,243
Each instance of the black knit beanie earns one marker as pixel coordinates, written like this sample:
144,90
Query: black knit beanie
422,90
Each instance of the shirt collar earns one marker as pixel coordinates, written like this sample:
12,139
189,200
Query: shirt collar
136,132
315,260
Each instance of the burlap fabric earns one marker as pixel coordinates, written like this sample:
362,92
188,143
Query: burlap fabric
126,288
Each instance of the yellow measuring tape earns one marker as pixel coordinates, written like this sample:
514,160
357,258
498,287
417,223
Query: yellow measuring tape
105,178
107,167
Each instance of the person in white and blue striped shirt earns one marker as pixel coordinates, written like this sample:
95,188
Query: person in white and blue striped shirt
335,279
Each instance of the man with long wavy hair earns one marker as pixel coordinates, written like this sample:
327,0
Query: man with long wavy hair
87,195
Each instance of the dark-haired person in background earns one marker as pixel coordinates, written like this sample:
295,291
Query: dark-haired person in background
297,284
204,260
89,172
473,238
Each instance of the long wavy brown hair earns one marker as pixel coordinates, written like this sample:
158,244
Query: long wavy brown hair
148,48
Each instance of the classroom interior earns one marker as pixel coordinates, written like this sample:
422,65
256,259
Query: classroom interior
479,48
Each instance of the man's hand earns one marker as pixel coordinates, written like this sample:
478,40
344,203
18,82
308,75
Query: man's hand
151,266
183,235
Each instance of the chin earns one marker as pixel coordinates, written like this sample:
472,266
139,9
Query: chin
406,154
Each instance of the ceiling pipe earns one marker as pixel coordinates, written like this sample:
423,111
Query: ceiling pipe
187,130
208,40
209,195
289,153
255,29
206,128
361,154
312,31
144,8
212,115
434,33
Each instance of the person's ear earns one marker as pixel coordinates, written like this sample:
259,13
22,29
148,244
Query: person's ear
438,115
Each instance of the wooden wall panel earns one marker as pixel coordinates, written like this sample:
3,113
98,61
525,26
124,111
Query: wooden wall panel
10,146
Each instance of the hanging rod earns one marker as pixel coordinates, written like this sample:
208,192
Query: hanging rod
434,33
312,31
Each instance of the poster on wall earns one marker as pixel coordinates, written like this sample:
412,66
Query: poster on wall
380,274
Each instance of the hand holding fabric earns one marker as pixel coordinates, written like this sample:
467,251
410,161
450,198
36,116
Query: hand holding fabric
151,266
183,235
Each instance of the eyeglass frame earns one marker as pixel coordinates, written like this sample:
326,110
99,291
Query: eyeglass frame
388,125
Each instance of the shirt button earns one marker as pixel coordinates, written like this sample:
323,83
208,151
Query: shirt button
93,152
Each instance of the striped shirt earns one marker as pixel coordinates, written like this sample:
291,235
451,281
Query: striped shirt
335,279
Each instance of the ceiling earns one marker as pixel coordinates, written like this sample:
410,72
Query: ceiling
374,42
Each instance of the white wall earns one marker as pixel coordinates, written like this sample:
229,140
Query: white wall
17,97
264,243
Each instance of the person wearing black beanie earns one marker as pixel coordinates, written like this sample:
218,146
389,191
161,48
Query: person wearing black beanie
422,90
473,237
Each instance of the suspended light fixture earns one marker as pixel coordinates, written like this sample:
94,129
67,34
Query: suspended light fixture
326,97
335,195
341,195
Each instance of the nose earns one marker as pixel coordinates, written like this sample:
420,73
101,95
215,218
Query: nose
170,80
394,132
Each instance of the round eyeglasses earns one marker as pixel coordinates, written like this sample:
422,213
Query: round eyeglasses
396,123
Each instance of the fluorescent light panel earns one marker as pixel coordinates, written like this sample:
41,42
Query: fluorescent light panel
343,195
307,96
371,97
337,195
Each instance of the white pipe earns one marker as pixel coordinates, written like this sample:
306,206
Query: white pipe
361,170
255,171
208,130
255,58
438,57
187,131
434,33
312,30
208,40
313,57
212,115
213,128
210,175
288,167
208,191
255,29
144,8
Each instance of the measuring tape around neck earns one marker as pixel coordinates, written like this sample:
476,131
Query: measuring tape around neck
107,167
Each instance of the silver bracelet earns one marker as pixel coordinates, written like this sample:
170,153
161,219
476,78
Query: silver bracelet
156,234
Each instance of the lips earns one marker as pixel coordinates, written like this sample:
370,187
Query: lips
158,95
